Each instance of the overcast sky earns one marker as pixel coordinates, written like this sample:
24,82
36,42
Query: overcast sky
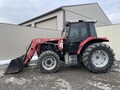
17,11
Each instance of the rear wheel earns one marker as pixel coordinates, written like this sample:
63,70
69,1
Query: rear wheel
49,62
98,57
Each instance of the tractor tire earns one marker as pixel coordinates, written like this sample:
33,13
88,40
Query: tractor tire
48,62
98,58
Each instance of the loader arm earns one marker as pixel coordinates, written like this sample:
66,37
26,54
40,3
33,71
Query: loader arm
31,50
16,65
35,46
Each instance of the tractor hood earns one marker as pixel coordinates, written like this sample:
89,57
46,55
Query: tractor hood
43,40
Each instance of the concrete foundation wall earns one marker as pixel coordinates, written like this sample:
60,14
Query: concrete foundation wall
14,39
112,32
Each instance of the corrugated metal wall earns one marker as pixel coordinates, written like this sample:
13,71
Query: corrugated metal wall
112,32
14,39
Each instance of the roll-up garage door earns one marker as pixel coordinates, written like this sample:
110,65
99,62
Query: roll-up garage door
49,23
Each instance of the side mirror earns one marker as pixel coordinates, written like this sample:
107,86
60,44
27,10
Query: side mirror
67,23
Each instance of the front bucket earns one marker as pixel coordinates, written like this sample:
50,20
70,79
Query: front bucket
16,65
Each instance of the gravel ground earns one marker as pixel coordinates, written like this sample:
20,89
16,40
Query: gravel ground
67,78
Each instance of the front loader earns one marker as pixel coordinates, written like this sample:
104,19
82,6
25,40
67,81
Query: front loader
79,43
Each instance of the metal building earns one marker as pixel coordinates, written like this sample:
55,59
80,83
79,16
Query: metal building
55,19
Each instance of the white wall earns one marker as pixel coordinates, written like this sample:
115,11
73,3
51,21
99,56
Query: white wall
51,24
14,39
87,12
112,32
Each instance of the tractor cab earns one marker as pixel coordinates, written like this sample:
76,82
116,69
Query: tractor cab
75,33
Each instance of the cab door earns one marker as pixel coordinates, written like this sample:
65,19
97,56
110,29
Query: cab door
78,33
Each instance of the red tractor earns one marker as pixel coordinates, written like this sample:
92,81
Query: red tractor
79,43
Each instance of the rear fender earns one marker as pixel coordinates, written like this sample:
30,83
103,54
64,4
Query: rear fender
89,41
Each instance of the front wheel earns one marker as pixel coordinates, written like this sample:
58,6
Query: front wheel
98,57
48,62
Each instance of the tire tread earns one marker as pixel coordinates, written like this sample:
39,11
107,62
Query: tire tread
87,55
42,55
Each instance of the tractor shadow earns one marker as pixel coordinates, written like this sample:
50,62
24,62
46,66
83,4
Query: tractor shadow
73,68
33,71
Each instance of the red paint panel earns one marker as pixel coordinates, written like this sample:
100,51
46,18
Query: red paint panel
35,44
90,39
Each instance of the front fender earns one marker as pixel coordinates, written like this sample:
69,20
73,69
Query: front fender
89,41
